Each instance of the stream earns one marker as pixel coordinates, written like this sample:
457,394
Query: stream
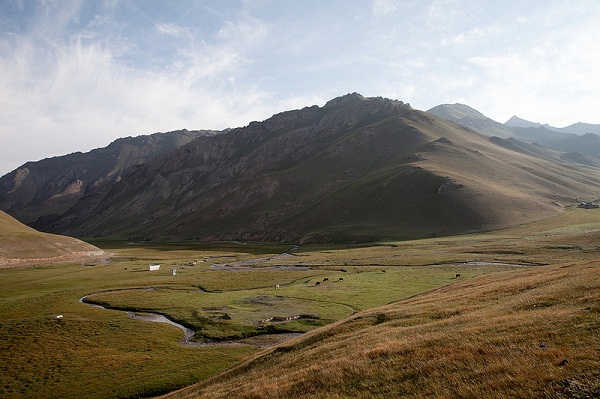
260,341
251,264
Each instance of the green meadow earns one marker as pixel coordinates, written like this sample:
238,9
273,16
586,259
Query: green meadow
92,352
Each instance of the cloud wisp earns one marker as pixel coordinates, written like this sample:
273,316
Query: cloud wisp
67,92
75,75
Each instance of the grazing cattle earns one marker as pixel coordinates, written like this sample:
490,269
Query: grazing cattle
340,279
326,279
318,283
457,275
383,271
277,287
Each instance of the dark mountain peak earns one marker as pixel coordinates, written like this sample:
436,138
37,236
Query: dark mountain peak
350,110
159,137
358,168
344,100
356,99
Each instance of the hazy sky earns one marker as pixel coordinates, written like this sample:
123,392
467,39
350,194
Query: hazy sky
75,75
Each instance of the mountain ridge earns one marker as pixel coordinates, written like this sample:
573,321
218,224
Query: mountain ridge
357,169
571,143
53,185
578,128
515,121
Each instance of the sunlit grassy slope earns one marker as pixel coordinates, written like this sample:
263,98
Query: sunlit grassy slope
20,244
495,331
100,353
526,333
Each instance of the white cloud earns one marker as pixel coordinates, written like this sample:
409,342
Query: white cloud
384,7
173,30
475,36
83,86
551,79
99,71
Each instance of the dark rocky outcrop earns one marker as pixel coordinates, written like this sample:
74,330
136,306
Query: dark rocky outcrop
48,188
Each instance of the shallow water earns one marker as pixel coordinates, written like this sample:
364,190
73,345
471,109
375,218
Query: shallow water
261,341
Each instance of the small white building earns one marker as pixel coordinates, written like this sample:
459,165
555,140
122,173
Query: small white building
153,267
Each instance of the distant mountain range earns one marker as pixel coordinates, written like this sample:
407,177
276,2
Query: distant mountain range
578,141
575,128
471,118
356,169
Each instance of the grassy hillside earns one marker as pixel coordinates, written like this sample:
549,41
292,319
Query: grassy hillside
497,326
20,244
101,353
525,333
521,335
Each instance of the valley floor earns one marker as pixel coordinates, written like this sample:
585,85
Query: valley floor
511,313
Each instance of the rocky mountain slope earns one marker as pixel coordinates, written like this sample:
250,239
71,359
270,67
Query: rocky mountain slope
53,185
20,244
356,169
587,144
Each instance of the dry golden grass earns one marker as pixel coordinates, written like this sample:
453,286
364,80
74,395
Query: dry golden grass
501,332
526,333
532,333
20,244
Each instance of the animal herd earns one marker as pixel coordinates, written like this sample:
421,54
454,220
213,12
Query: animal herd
326,279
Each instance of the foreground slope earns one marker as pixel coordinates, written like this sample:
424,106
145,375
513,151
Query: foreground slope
524,334
20,244
356,169
53,185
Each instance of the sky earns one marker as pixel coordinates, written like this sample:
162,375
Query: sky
78,74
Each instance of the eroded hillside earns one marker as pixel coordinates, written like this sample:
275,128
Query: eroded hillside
46,188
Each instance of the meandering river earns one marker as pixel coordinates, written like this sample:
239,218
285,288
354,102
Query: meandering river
260,341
